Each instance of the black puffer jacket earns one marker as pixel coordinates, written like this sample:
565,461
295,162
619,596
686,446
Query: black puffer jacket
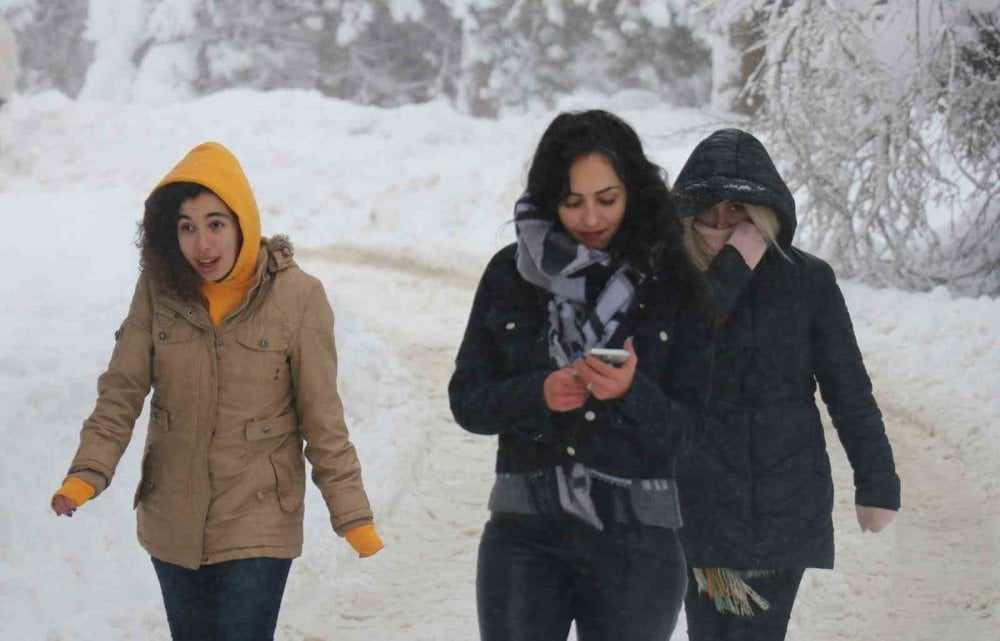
756,490
504,360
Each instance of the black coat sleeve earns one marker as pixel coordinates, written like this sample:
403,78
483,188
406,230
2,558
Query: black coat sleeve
484,398
669,424
670,406
847,392
727,278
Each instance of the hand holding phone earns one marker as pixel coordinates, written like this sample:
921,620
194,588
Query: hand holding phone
610,356
603,380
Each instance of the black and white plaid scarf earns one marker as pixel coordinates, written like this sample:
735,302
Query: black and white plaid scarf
550,258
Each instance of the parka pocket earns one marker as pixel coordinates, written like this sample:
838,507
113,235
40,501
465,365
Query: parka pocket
169,328
263,338
177,348
159,419
261,356
146,482
289,478
272,427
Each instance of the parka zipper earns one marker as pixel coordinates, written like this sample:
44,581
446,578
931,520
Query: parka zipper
246,302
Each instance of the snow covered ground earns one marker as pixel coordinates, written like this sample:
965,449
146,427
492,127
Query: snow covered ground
397,211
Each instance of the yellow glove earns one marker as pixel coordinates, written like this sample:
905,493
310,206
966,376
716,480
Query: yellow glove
76,490
364,539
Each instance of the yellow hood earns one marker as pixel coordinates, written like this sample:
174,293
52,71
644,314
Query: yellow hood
215,167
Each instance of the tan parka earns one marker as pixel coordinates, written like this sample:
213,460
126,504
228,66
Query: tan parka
223,474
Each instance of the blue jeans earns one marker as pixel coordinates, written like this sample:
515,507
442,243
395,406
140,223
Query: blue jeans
228,601
537,574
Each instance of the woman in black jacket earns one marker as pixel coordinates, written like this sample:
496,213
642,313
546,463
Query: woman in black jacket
756,490
584,506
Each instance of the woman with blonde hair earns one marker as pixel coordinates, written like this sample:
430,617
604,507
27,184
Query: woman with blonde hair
236,343
756,490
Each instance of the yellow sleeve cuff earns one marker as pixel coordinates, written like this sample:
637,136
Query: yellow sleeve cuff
364,539
77,490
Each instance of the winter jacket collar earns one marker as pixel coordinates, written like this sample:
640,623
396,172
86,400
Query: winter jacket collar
275,254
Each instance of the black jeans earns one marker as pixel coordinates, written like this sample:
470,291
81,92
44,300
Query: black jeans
537,574
705,623
229,601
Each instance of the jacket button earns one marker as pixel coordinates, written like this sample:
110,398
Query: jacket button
156,416
511,325
663,336
190,311
260,496
219,343
590,416
642,305
162,335
262,343
571,450
266,428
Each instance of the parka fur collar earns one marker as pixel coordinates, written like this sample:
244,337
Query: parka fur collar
279,252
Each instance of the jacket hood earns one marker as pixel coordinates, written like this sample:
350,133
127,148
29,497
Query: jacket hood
733,165
213,166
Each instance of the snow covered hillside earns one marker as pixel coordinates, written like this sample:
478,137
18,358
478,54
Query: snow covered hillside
414,198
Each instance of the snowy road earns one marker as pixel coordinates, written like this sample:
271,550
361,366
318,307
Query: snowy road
932,575
415,177
421,587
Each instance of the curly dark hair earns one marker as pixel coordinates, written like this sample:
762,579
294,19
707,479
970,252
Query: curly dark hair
650,237
160,249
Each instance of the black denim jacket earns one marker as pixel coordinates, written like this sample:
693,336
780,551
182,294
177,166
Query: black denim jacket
503,362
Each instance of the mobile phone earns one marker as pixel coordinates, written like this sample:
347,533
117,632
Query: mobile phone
611,356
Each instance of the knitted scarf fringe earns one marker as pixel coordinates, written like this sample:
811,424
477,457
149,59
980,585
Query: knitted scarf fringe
729,591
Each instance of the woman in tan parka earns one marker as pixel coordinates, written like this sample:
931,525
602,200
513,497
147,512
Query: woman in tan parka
237,345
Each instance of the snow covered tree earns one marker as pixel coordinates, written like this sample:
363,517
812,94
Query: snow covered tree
384,52
10,62
735,36
884,113
53,47
969,101
517,52
481,54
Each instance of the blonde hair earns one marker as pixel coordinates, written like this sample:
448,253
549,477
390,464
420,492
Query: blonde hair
763,217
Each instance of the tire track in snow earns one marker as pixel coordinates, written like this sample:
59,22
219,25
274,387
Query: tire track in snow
934,574
422,585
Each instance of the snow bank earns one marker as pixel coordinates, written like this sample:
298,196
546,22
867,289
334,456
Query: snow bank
934,359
